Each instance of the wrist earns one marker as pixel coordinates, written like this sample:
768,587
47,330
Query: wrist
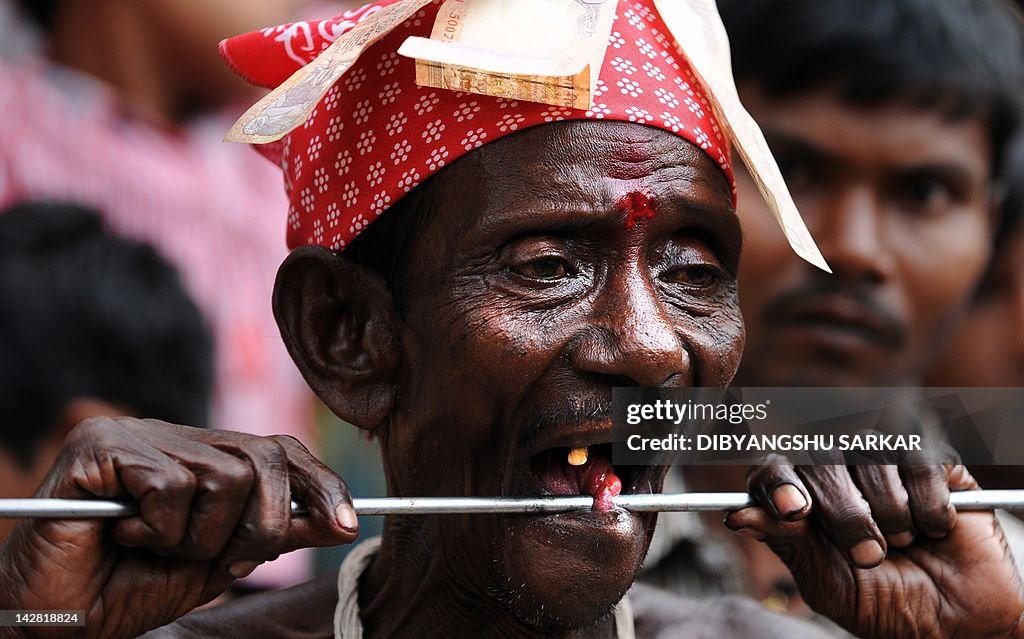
8,586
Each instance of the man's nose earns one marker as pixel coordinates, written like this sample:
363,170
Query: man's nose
849,232
631,339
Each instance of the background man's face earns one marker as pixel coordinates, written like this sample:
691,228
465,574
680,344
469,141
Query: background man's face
529,299
897,199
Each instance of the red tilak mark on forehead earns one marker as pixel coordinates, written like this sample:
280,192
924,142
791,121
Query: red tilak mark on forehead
638,206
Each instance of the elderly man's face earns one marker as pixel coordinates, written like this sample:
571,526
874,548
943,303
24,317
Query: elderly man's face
530,297
898,200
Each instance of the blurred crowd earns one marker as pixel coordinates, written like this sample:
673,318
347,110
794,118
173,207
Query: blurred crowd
132,235
121,108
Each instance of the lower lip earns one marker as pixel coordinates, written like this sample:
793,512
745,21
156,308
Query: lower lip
617,522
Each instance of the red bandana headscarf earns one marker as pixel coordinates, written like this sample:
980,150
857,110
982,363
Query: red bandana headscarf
377,135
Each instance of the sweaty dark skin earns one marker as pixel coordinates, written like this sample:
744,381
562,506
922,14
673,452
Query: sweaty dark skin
529,298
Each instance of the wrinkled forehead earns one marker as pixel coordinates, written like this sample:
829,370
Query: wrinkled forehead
567,154
577,160
576,173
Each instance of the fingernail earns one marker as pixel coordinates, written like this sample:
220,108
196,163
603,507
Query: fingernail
901,540
867,553
346,517
789,500
751,533
242,569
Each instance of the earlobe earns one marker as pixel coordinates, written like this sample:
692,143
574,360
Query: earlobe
339,323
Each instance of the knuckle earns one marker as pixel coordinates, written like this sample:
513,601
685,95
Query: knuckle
268,450
936,515
174,482
234,473
170,478
921,474
892,514
327,495
260,540
895,507
343,488
324,476
827,458
851,516
93,429
771,474
290,444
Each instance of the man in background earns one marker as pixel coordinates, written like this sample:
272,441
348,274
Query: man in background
91,324
123,107
889,121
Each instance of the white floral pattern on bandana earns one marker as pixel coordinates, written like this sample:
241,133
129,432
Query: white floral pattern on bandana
377,135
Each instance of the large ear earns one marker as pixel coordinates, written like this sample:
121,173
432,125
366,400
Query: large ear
339,323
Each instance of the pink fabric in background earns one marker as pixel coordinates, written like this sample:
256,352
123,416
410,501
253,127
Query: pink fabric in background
213,209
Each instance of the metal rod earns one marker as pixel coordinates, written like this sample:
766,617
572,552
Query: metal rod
683,502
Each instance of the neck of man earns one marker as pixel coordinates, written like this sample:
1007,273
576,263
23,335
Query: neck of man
410,585
111,41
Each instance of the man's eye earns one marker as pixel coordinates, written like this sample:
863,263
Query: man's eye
547,268
697,276
798,173
925,194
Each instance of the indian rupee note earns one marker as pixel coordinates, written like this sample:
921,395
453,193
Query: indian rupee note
288,106
548,51
538,80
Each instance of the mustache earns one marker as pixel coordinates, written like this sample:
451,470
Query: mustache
887,324
568,411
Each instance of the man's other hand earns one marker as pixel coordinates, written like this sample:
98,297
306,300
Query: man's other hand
880,551
213,505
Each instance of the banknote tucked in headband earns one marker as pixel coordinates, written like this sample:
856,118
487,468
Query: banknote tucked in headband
367,105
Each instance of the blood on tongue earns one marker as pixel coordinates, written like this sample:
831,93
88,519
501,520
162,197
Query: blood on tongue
595,477
598,479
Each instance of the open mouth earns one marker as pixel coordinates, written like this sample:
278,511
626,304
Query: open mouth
565,471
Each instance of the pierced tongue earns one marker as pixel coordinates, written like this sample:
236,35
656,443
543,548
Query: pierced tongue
597,478
582,472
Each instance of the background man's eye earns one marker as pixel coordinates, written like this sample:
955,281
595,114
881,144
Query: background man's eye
695,276
798,173
548,268
925,194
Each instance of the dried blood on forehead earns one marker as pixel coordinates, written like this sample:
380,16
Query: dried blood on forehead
638,206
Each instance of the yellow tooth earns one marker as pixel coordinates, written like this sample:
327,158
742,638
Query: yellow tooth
577,456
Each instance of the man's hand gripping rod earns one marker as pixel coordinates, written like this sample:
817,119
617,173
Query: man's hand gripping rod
1012,500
